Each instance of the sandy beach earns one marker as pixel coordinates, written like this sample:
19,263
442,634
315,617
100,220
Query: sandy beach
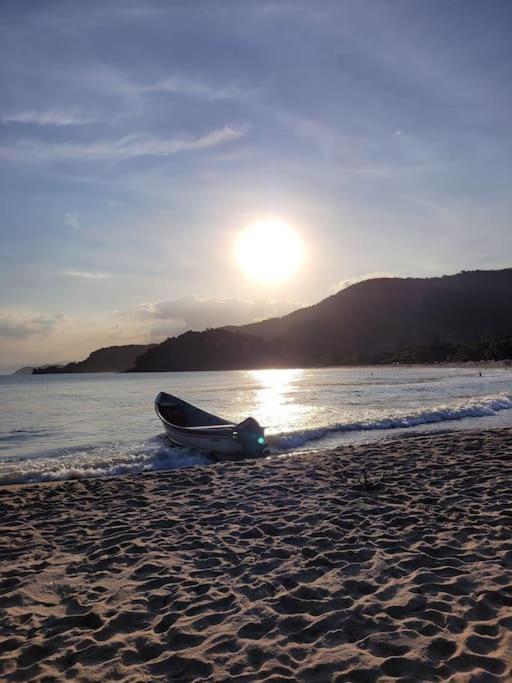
282,569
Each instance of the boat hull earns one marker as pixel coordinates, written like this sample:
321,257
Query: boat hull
224,446
200,430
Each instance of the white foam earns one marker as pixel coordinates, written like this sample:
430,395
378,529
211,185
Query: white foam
107,460
482,407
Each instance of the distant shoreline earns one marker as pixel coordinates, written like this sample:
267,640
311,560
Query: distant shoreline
462,364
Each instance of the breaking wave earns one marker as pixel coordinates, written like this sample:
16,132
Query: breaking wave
156,454
469,409
108,460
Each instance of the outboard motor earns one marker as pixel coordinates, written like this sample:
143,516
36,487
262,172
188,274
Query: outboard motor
251,435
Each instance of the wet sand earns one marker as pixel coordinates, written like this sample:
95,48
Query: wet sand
284,569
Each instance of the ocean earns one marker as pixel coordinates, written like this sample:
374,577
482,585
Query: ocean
68,426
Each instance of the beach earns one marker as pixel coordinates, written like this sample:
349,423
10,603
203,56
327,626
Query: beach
287,568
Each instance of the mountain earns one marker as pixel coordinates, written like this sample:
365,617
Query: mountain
382,316
217,349
109,359
380,320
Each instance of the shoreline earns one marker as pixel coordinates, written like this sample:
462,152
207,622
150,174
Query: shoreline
505,363
282,445
280,569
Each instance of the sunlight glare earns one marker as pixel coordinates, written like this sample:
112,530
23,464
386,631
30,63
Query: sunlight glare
274,401
269,252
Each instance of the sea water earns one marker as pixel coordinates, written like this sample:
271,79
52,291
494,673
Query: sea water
66,426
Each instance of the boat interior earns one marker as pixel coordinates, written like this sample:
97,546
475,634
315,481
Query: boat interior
180,417
175,415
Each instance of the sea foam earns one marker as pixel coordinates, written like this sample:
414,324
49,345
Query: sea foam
103,460
156,454
482,407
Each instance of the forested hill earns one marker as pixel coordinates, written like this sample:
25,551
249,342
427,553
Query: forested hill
109,359
386,315
380,320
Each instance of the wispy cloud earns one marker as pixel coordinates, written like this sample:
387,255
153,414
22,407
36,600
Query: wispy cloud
126,148
49,117
196,88
84,275
71,220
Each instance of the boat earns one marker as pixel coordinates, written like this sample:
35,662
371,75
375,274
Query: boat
188,426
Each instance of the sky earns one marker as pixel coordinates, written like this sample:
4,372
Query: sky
138,138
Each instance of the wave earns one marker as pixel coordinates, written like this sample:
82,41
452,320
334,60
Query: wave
107,460
156,454
469,409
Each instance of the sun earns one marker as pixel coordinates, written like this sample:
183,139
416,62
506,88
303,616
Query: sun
269,252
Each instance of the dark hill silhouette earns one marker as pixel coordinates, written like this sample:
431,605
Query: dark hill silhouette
382,316
109,359
379,320
218,349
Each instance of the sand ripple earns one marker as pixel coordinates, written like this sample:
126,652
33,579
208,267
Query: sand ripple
285,569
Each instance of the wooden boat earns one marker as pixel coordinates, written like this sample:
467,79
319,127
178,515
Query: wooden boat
186,425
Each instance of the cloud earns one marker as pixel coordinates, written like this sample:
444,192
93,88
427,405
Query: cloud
126,148
20,327
49,117
168,318
196,88
84,275
71,220
343,284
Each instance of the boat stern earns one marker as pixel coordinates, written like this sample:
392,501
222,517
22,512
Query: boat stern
251,436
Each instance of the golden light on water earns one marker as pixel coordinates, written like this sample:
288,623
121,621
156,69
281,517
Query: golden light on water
274,400
269,252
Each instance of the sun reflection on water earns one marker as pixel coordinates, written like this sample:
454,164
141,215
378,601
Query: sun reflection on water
275,399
